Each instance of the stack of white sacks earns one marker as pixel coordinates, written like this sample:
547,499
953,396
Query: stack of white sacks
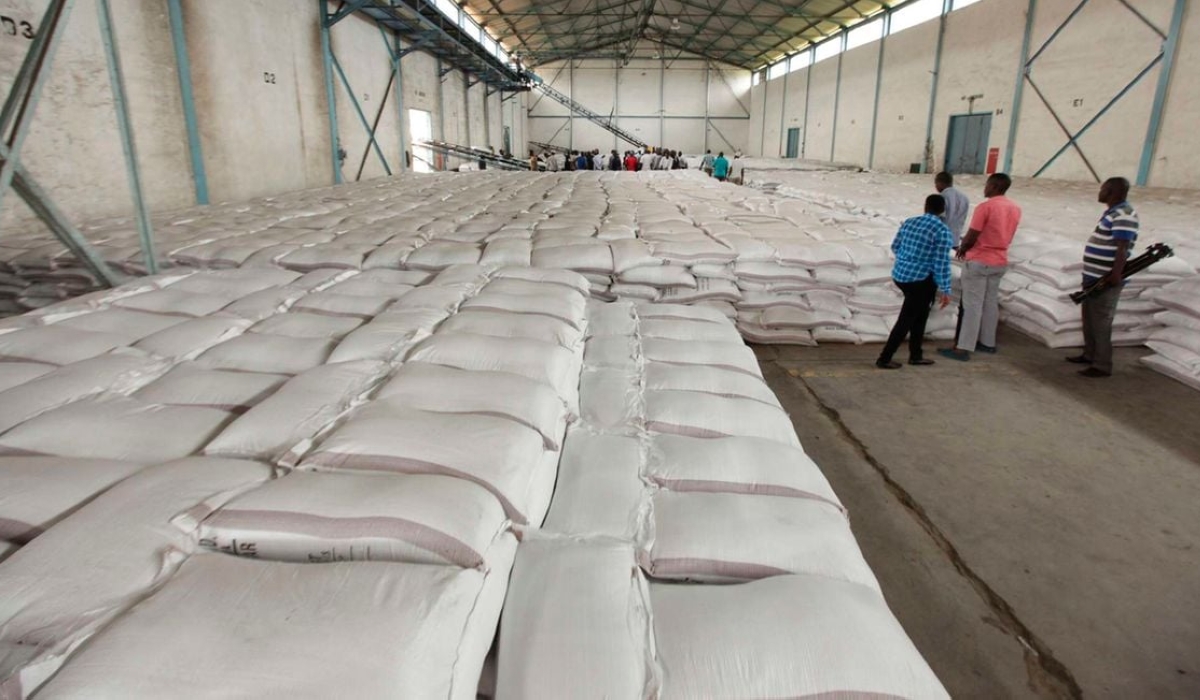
787,271
213,481
1036,291
223,481
696,551
1176,344
1047,266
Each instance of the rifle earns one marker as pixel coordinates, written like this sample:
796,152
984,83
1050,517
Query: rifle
1153,254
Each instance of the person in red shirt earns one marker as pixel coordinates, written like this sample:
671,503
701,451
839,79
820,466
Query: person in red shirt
985,252
631,161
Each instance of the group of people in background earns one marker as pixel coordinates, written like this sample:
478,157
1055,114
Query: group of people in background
632,161
924,244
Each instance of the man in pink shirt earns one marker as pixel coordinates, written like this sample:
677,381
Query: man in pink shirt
985,252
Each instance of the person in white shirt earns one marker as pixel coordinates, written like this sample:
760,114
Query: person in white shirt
552,164
647,161
956,204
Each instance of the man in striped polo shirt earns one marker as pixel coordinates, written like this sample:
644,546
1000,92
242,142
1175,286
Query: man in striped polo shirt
1104,258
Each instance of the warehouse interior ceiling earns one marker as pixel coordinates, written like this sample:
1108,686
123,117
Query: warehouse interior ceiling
744,33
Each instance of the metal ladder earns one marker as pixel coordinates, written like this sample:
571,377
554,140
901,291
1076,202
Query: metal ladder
578,109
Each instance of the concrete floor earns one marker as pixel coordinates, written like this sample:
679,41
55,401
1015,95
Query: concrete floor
1037,533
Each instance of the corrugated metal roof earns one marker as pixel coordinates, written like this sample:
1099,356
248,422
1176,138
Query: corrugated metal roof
745,33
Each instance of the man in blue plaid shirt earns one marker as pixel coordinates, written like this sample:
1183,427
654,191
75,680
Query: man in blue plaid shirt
922,247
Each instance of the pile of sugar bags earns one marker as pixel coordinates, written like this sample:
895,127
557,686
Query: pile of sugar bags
1176,344
220,479
786,271
696,550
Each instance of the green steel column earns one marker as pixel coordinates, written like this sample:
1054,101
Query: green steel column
1160,93
121,107
402,116
783,108
807,91
762,135
40,203
837,98
1014,117
467,105
927,154
330,99
27,88
183,67
887,27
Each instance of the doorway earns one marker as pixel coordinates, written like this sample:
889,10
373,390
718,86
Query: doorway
793,143
420,128
967,144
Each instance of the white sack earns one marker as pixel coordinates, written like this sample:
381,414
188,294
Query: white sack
599,490
610,400
586,636
388,336
660,376
56,345
36,492
411,619
116,373
501,455
744,465
117,428
305,325
550,364
507,325
308,517
71,580
785,636
439,389
568,307
287,421
258,352
722,537
16,373
724,355
190,338
186,385
705,415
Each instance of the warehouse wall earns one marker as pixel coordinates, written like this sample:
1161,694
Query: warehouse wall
686,104
258,80
1096,54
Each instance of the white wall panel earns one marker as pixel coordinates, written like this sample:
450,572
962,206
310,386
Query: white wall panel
1079,72
856,99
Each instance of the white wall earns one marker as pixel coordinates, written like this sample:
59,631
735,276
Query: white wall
259,136
685,104
1078,73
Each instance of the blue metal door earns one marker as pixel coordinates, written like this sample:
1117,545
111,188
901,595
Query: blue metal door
793,142
967,144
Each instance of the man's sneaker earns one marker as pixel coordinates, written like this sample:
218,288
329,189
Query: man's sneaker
990,349
1093,373
1079,360
888,364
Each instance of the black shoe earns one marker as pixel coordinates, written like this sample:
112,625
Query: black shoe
989,349
921,361
1079,360
1093,373
960,355
889,364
